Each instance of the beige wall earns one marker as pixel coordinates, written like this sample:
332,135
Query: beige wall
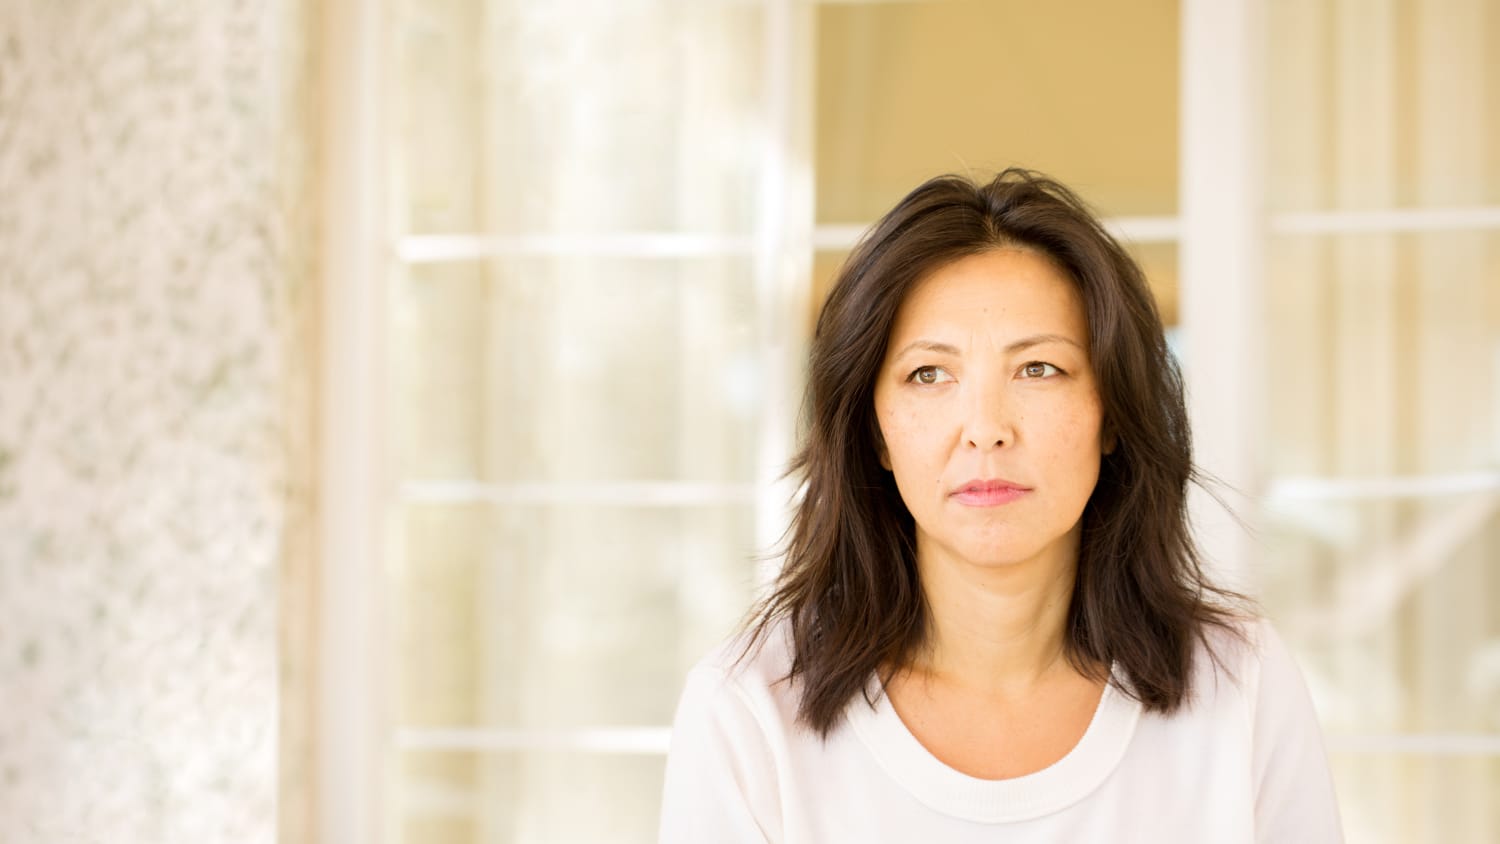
910,90
906,91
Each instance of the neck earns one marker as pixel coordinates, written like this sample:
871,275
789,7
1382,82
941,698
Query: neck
995,628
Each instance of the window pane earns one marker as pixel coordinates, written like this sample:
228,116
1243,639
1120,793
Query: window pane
1391,799
500,798
1385,105
577,369
562,615
577,116
574,419
1383,364
1388,604
434,115
1383,354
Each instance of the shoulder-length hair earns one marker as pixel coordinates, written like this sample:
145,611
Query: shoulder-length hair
849,586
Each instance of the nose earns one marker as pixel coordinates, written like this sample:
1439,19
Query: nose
989,416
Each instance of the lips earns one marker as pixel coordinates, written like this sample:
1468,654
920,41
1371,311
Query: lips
991,492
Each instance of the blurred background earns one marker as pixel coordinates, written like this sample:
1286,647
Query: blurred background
393,393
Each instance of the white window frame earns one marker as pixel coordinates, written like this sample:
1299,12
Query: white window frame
350,761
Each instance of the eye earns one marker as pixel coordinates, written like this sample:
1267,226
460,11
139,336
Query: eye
929,375
1039,369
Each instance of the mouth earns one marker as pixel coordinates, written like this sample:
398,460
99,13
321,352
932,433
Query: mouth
988,492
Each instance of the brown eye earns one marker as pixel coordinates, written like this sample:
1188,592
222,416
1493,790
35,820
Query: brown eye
928,375
1037,369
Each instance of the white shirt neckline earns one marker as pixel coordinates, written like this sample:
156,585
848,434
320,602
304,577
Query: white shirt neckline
941,788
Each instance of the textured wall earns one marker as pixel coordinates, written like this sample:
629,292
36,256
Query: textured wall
153,265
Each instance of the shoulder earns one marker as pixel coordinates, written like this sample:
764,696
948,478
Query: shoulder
1246,667
744,679
752,657
1294,796
1248,649
749,670
722,780
1271,678
1250,725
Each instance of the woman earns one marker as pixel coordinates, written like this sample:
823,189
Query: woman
991,624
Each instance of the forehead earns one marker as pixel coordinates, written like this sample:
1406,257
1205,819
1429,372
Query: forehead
1006,292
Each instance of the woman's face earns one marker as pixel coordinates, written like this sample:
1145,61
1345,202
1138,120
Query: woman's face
990,414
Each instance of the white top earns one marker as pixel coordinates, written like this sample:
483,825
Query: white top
1242,761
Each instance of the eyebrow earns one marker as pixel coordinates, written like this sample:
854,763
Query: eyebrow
1023,343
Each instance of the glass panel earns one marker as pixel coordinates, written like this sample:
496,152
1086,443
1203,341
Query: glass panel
1382,106
516,116
564,615
1388,604
1383,354
579,118
1085,92
1383,360
435,115
1388,799
438,335
437,614
530,797
576,369
439,798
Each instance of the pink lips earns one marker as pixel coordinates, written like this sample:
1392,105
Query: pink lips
989,493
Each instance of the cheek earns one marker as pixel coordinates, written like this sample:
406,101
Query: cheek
890,434
897,428
1076,444
910,447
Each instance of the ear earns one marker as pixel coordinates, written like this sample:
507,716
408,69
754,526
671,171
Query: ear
1108,440
882,452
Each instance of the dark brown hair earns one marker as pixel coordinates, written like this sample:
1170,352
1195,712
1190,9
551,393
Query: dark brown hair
849,586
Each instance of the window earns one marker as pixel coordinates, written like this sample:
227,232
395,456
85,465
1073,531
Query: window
590,397
1382,339
606,229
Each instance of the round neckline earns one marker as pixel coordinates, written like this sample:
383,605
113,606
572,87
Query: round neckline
951,792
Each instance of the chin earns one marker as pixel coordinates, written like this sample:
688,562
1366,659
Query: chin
988,554
995,545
